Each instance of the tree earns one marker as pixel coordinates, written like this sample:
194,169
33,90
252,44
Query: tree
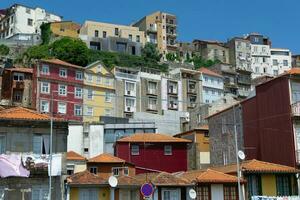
4,50
45,33
149,52
70,50
171,57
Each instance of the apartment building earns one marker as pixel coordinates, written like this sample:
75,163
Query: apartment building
281,61
112,37
160,28
295,60
185,50
211,50
99,92
21,19
16,87
212,85
58,89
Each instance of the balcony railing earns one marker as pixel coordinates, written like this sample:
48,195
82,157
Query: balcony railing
126,75
18,84
295,107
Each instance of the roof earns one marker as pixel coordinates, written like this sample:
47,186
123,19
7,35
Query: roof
60,62
23,69
71,155
152,137
200,128
106,158
256,166
20,113
294,71
204,70
209,176
162,179
86,178
128,180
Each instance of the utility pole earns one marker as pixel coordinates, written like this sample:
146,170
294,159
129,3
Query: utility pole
236,155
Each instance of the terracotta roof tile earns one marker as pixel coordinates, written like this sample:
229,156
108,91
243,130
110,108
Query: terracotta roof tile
257,167
23,69
294,71
106,158
162,179
86,178
71,155
151,137
128,180
60,62
204,70
20,113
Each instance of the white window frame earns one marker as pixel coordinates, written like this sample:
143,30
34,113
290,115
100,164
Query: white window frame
90,96
47,85
126,170
108,97
60,90
79,75
168,151
41,106
88,109
135,150
132,92
65,72
115,169
62,108
77,110
78,92
89,78
45,69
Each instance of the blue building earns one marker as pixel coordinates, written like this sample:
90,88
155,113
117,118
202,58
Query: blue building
212,85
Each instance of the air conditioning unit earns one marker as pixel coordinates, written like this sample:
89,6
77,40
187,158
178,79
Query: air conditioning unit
129,109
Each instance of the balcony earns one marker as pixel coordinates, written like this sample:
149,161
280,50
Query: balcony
152,91
126,75
171,34
18,85
295,108
152,29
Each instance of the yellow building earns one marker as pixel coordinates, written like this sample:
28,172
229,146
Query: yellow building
160,28
99,92
65,29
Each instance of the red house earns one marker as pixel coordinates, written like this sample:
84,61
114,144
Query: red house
153,152
61,83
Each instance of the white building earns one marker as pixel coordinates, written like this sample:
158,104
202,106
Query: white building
260,59
281,61
21,19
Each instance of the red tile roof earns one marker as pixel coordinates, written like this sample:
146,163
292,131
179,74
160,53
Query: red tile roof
106,158
162,179
152,137
24,70
86,178
71,155
204,70
60,62
20,113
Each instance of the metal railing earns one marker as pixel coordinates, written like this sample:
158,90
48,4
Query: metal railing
125,75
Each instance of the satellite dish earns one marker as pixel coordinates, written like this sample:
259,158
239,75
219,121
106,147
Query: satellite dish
241,155
113,181
192,194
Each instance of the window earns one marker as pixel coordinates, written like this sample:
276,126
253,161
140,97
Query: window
115,171
77,110
130,88
230,192
41,144
39,192
126,171
30,22
44,106
275,72
62,90
95,45
89,77
138,39
2,145
45,87
93,170
108,97
89,194
45,70
86,150
152,102
170,195
135,149
152,87
62,108
206,79
107,112
254,185
283,185
203,192
256,39
90,94
167,150
116,31
89,111
256,69
78,93
79,75
275,62
18,76
285,63
96,33
28,11
256,60
130,37
70,169
264,59
98,80
129,103
255,49
104,34
63,72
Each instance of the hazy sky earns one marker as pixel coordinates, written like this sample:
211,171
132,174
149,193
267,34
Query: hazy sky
197,19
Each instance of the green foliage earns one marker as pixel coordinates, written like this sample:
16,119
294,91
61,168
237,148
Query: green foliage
37,52
200,62
45,33
171,56
150,53
70,50
4,50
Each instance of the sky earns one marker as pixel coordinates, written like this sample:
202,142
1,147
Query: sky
197,19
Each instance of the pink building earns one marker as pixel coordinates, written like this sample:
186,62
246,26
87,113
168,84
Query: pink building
153,152
61,83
